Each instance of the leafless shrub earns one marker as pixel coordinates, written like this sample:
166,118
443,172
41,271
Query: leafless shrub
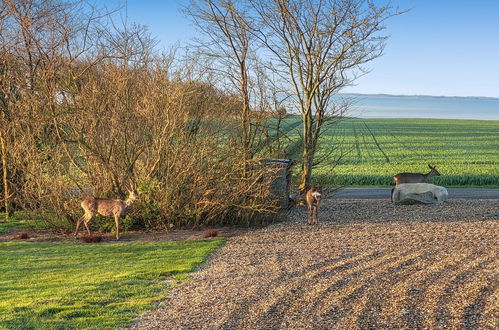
87,109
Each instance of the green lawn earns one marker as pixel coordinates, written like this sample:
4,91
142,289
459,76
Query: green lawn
17,221
466,152
98,286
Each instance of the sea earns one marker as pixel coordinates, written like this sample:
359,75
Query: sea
402,106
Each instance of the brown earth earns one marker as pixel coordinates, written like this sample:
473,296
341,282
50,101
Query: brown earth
368,265
129,236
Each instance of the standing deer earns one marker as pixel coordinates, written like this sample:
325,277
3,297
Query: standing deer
313,198
414,177
106,207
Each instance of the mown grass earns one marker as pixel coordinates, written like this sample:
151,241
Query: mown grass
466,152
17,221
89,286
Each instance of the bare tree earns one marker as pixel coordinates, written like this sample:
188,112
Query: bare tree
315,47
229,47
319,46
31,34
45,46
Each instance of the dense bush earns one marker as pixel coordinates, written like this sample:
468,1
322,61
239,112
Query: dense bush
93,119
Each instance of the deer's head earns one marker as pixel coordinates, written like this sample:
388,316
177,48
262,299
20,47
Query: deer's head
433,171
316,192
133,195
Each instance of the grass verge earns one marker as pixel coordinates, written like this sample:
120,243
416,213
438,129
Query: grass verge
17,221
81,286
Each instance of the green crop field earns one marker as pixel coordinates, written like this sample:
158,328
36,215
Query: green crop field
465,152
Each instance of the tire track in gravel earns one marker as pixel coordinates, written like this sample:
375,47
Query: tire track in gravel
423,270
292,303
278,288
244,307
467,272
317,299
490,315
432,301
404,301
468,304
374,284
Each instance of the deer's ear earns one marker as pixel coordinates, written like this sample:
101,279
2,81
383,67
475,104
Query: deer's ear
430,167
131,186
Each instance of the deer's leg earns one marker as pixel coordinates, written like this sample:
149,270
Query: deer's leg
117,222
86,227
78,225
86,221
310,216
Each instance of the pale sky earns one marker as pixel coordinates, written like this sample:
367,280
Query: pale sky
441,47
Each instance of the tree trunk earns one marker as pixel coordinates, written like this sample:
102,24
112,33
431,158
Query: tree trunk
306,172
308,153
246,119
8,210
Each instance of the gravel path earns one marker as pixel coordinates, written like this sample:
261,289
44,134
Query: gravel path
368,264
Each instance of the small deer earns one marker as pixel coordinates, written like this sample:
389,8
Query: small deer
313,198
106,207
415,177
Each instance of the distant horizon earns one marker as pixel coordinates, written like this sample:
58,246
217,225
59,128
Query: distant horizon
422,95
423,106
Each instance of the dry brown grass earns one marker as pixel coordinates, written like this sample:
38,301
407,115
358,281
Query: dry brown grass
367,265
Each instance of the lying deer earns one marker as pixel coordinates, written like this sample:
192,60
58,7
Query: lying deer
313,198
106,207
415,177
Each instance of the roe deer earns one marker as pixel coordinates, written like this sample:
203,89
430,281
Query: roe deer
105,207
313,198
415,177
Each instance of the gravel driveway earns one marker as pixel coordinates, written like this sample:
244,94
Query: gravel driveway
368,264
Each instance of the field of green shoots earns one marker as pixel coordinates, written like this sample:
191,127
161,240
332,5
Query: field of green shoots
465,152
